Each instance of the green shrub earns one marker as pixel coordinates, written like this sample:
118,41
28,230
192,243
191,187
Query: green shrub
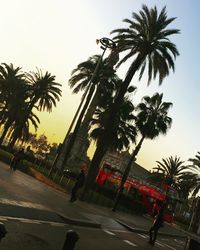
5,156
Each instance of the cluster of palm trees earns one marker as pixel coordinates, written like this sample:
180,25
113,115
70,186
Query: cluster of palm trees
116,123
146,42
21,94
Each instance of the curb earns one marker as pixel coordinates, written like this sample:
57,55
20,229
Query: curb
82,223
140,230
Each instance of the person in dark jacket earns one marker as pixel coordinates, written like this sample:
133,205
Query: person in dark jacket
157,224
79,183
17,157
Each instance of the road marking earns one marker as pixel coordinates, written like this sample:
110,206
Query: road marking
130,243
3,219
29,221
121,231
23,204
143,236
108,232
159,244
170,247
24,220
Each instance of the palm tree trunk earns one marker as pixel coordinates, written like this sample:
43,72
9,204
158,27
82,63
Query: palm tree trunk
90,112
124,86
94,167
126,173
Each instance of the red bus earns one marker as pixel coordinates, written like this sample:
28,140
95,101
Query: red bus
149,195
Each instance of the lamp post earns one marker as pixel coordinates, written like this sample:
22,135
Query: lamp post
106,43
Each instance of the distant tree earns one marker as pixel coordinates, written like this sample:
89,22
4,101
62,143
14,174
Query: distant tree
42,146
169,171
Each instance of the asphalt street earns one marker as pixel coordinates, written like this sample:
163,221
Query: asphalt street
37,217
40,235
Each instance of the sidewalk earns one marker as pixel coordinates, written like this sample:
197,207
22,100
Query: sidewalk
106,218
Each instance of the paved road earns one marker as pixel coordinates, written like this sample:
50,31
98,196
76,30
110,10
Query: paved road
42,235
30,211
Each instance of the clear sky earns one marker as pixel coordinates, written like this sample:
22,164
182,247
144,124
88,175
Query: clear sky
56,35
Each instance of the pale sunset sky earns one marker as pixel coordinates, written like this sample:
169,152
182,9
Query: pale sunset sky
56,35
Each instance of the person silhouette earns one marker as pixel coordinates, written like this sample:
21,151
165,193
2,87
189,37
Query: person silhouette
157,224
17,157
78,183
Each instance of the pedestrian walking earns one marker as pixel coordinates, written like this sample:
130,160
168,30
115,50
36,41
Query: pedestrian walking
17,157
79,182
157,224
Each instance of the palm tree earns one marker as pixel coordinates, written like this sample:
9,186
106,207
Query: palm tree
171,170
152,120
43,94
195,167
103,82
96,84
196,161
146,40
21,130
44,91
13,92
186,179
125,131
188,183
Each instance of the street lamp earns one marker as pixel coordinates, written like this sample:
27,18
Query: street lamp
106,43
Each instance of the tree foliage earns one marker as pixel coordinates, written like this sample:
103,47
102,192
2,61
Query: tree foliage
21,94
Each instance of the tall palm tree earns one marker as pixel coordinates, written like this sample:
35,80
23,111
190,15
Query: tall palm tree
104,80
152,120
13,93
44,92
147,42
124,133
